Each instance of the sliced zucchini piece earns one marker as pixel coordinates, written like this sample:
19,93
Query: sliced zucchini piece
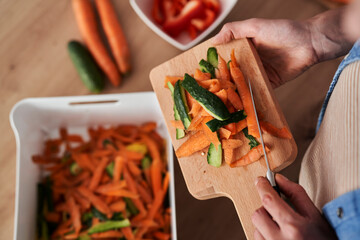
214,156
212,57
181,104
235,117
209,101
253,142
180,133
207,67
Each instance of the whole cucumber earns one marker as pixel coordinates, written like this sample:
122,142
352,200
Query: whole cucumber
85,65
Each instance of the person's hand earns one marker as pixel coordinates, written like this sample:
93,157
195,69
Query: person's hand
284,46
277,220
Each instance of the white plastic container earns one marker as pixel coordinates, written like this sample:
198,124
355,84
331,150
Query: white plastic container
36,119
182,42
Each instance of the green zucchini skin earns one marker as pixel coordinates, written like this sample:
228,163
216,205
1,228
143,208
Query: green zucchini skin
214,156
181,104
235,117
86,67
207,67
209,101
212,57
180,133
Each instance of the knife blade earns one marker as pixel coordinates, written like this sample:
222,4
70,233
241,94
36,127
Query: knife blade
269,174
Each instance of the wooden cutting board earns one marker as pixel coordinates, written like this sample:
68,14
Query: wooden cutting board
205,181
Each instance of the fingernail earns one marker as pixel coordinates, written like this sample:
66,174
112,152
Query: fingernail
283,177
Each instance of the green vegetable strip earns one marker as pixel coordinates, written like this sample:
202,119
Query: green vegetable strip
253,142
212,57
235,117
209,101
180,133
207,67
181,104
109,225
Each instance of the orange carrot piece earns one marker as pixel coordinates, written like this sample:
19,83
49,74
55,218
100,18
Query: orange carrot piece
177,124
111,186
166,182
99,171
211,136
120,193
189,99
172,80
134,169
241,125
98,203
144,223
252,156
277,132
231,143
128,233
107,234
229,155
195,109
131,155
74,214
83,202
74,138
162,236
84,161
222,94
201,76
86,20
118,206
234,99
194,143
195,122
231,127
224,133
132,187
245,95
212,83
118,167
233,59
224,71
115,35
148,127
144,194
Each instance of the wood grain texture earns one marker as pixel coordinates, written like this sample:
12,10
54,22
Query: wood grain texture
203,180
34,63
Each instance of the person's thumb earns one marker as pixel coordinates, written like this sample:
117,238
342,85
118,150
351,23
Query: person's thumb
297,196
236,30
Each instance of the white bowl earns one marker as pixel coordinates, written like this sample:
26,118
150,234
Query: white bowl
35,119
183,41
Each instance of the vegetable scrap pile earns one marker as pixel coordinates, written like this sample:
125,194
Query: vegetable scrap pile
213,107
113,186
193,16
92,60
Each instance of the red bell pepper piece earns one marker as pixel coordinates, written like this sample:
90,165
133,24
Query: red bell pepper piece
157,11
192,31
202,24
169,9
213,5
193,9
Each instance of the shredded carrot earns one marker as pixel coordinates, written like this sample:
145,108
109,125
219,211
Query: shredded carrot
74,214
245,95
194,143
95,200
223,70
118,206
128,233
201,76
277,132
234,99
118,167
95,180
252,156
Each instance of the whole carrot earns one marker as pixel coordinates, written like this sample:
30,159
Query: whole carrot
114,34
86,20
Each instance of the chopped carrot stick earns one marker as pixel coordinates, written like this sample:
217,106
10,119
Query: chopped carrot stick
178,124
111,186
132,187
195,109
231,143
115,35
144,223
245,95
118,206
99,171
74,138
241,125
166,182
120,193
162,236
229,155
194,143
252,156
211,136
277,132
132,155
148,127
212,83
233,59
231,127
95,200
83,202
224,71
222,94
195,122
172,80
74,214
128,233
118,167
86,20
84,161
144,194
190,100
234,99
224,133
201,76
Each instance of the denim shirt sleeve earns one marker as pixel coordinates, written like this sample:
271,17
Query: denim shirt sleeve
354,55
343,214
